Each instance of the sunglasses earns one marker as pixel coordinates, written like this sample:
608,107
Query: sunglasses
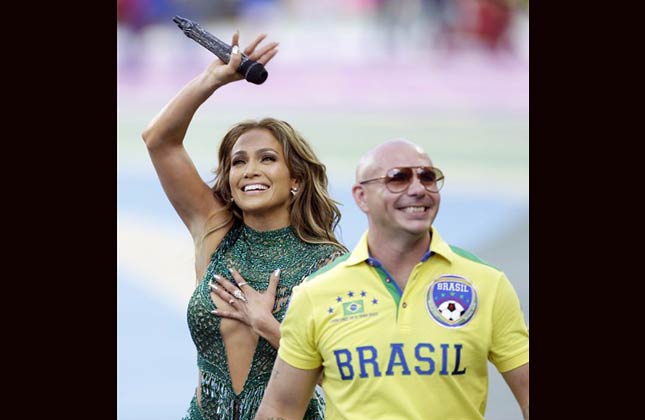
399,179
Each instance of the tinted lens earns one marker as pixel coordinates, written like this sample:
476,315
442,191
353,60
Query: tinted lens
431,178
426,176
398,179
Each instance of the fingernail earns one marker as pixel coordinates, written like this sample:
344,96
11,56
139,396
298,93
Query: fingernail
212,286
277,272
214,311
217,277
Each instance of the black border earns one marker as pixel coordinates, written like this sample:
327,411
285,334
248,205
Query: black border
60,163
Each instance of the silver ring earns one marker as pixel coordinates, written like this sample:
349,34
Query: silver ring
239,295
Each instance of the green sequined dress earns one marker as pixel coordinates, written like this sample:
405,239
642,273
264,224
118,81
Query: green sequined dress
255,255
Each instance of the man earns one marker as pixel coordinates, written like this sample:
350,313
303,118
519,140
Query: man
403,327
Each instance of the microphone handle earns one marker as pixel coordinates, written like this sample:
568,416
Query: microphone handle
212,43
218,47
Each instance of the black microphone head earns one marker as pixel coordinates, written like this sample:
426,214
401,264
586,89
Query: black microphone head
256,73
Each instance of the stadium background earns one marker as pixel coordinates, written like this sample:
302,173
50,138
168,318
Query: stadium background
449,75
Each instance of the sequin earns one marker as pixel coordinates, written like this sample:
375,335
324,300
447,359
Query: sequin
255,255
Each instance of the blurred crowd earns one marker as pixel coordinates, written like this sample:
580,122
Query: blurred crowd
444,24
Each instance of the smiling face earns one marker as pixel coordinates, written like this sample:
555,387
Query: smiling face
410,212
260,181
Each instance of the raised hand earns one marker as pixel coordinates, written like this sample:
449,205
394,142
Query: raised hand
226,73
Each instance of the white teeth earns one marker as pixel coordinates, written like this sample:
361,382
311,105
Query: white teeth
255,187
414,209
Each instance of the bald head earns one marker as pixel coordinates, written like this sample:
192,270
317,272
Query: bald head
391,153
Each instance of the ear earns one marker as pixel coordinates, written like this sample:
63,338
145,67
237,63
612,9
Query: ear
295,184
360,197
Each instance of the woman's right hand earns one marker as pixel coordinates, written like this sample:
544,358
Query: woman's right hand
222,74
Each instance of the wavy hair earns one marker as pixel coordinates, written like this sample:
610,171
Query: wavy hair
313,213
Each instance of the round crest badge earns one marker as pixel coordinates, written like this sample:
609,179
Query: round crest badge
451,300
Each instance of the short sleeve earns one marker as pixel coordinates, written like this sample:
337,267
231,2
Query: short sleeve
510,341
298,342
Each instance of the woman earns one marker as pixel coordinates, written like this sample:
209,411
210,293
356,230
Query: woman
264,226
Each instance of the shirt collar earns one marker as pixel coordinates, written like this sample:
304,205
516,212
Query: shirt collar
437,246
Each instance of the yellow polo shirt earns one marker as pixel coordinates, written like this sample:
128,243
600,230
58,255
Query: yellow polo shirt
420,353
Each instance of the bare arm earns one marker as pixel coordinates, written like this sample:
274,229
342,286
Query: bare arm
289,391
518,381
189,194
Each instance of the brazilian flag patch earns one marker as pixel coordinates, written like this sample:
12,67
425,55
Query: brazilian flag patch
353,307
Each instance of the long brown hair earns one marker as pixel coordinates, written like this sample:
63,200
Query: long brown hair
313,214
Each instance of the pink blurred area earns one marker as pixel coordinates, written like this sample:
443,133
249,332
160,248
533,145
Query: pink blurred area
363,54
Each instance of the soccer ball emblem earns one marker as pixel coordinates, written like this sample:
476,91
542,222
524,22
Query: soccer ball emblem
451,310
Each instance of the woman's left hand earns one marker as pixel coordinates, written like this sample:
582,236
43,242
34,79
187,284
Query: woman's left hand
248,305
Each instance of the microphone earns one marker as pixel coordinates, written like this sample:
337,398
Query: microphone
252,71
